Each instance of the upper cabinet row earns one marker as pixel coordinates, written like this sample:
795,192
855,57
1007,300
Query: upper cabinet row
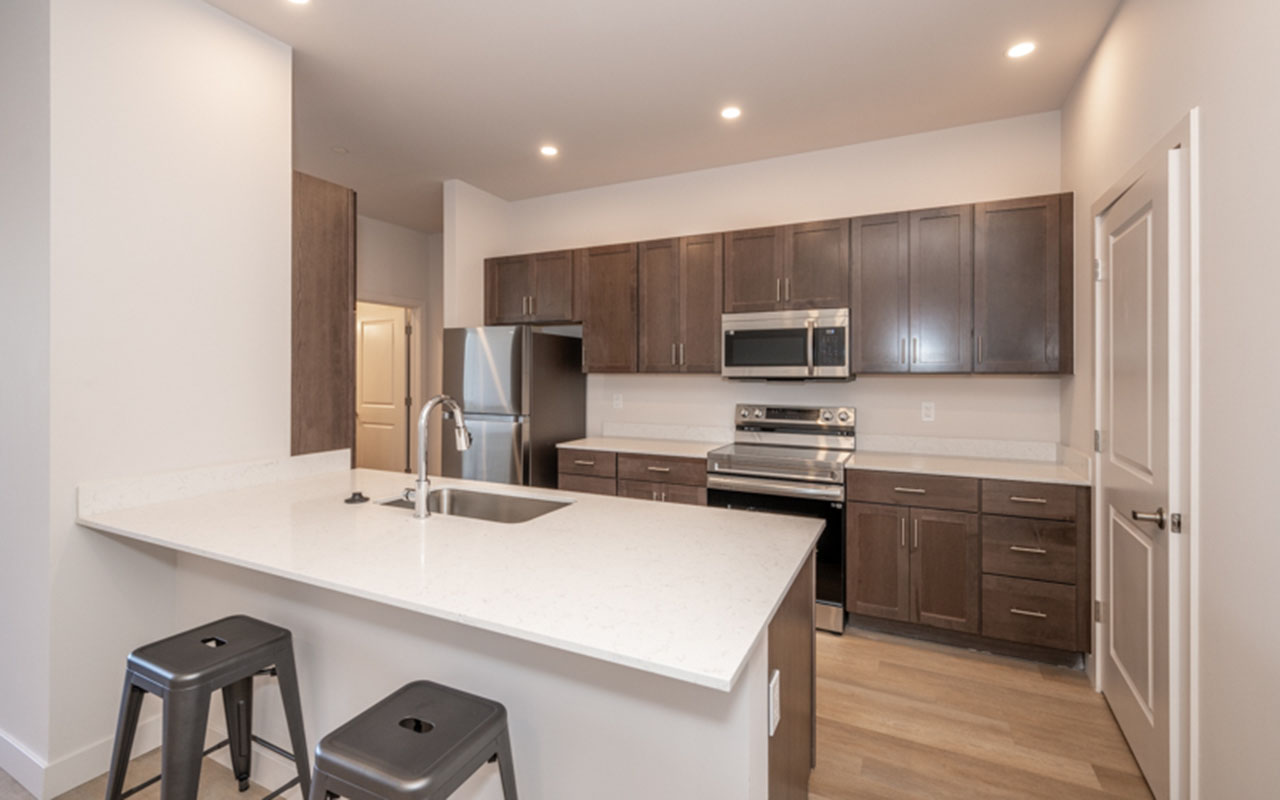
974,288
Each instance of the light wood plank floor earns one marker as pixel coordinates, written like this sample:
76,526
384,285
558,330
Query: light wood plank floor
905,719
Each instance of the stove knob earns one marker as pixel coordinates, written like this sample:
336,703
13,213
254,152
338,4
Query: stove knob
759,413
744,413
826,416
844,416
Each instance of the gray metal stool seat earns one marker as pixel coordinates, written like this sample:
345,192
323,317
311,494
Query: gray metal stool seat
185,670
419,743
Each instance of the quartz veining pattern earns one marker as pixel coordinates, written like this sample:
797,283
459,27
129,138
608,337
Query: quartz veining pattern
679,591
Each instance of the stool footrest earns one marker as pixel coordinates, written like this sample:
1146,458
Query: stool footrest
275,748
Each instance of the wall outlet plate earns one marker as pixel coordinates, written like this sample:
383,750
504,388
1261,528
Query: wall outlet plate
927,411
617,401
775,701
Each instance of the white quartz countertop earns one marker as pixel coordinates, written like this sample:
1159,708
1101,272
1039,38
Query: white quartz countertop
676,590
648,447
960,467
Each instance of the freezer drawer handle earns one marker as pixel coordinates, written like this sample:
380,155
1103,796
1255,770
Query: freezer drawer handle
658,469
1017,548
1040,501
582,462
908,490
1022,612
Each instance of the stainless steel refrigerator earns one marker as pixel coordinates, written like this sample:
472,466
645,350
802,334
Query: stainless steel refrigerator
522,391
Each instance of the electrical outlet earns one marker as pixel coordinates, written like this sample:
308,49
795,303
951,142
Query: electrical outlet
927,411
617,401
775,701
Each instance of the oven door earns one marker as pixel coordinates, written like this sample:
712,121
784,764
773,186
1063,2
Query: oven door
785,344
830,580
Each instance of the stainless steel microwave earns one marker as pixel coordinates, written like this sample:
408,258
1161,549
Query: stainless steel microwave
786,344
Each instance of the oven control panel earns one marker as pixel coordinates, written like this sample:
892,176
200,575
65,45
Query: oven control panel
816,417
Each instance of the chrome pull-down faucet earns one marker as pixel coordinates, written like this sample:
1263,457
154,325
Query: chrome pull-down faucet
462,439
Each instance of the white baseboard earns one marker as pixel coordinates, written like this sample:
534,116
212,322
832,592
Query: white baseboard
89,762
23,766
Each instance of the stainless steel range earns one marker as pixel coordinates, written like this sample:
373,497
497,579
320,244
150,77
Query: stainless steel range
790,460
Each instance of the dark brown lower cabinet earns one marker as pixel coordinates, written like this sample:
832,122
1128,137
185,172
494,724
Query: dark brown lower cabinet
878,570
946,569
792,654
665,479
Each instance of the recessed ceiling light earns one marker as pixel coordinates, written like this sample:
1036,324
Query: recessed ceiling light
1021,49
299,2
549,150
730,112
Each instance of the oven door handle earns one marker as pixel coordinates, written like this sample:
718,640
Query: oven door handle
780,488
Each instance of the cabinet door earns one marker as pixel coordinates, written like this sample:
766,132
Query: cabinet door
817,265
701,276
609,309
942,290
1017,285
753,270
880,293
946,569
876,569
659,306
508,287
552,291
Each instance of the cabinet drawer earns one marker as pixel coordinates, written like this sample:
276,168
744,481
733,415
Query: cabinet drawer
911,489
588,483
1020,499
1029,548
663,492
664,469
588,462
1031,612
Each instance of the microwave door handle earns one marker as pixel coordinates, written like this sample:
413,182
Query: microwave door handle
809,345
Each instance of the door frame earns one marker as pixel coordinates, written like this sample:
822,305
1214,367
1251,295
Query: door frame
1184,444
415,314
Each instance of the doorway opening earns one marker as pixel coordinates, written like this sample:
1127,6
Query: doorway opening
386,386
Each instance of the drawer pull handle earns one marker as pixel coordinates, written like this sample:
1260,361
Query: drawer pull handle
1017,548
908,490
583,462
658,469
1022,612
1039,501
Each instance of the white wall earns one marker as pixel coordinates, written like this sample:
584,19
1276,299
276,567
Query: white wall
168,297
24,388
475,228
1158,60
1007,158
402,266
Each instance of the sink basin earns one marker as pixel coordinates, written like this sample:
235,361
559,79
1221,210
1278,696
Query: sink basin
489,506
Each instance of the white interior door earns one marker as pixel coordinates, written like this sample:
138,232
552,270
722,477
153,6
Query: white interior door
381,387
1133,248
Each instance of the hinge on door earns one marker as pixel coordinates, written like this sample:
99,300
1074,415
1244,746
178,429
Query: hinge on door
1175,523
1097,610
1097,441
408,330
408,402
1097,269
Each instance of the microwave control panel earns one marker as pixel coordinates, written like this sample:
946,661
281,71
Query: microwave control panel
829,345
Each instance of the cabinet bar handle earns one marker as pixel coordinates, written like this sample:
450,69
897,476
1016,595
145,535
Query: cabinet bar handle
1022,612
915,350
908,490
788,285
1039,501
979,348
653,495
915,534
533,304
1017,548
673,353
682,354
658,469
584,463
664,497
902,349
902,528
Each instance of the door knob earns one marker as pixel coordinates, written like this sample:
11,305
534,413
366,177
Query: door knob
1147,516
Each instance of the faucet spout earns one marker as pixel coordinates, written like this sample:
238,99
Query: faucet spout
462,440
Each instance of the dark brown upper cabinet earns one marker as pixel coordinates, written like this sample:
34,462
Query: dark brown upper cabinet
530,288
879,296
941,290
608,291
679,304
787,267
1022,291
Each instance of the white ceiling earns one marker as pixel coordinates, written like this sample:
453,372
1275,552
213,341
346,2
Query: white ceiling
424,90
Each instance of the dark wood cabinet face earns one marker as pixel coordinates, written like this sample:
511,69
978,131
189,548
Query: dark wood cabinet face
753,267
508,285
877,561
609,309
817,265
1017,288
552,291
880,293
942,290
701,262
946,569
659,306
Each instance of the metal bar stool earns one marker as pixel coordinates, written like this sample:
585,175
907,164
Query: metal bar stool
419,743
185,670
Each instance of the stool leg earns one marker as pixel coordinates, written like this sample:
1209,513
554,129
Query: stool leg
186,715
237,702
319,789
126,727
288,676
506,767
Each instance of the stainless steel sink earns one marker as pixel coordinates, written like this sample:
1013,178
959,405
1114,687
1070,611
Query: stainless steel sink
489,506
